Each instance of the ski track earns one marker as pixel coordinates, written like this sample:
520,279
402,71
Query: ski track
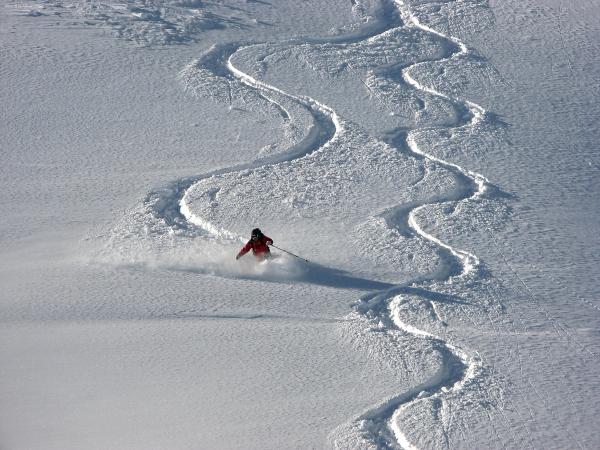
459,365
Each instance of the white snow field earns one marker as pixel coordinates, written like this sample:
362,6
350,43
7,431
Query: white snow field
435,162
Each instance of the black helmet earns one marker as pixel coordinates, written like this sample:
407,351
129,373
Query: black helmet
256,232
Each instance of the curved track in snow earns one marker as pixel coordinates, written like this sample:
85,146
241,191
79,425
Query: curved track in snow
459,366
381,426
169,204
326,127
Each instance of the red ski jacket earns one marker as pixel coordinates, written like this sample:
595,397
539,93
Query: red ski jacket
259,247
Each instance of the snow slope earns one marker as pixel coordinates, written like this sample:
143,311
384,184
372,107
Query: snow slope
427,158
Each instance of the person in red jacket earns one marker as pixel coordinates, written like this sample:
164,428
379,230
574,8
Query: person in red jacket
259,244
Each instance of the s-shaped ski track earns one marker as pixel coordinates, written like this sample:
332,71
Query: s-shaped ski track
460,366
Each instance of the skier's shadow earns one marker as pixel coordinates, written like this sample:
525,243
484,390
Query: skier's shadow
310,273
326,276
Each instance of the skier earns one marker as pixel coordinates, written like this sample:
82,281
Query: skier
259,243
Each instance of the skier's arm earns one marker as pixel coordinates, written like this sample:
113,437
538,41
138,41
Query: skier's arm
245,249
268,240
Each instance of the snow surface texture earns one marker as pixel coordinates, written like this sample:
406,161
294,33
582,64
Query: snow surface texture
376,134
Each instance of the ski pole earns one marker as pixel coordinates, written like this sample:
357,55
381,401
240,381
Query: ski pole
290,253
